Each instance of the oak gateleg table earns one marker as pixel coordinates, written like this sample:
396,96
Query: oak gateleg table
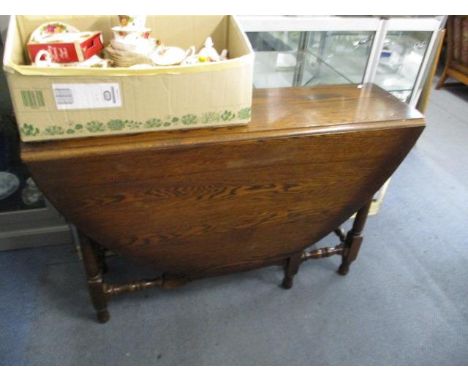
192,203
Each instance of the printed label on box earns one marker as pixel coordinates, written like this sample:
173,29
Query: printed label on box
87,96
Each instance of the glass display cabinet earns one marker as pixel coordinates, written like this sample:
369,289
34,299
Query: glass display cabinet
306,51
392,52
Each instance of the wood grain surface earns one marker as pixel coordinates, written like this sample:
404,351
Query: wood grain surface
213,200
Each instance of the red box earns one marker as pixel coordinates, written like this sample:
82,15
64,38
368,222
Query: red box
64,52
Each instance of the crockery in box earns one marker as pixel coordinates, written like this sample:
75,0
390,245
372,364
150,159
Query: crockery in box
64,43
71,102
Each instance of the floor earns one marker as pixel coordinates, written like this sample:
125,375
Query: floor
403,303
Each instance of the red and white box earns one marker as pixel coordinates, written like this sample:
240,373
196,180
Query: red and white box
84,46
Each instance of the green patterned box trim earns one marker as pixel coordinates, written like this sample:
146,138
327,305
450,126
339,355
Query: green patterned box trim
114,125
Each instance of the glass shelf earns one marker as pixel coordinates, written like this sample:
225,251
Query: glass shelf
400,61
309,58
275,58
345,54
274,69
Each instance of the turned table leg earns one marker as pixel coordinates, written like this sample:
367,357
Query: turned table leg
100,254
353,239
93,268
292,266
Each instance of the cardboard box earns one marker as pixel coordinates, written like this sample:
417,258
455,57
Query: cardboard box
59,103
64,52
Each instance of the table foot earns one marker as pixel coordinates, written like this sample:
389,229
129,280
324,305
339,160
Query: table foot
343,269
292,267
287,282
103,316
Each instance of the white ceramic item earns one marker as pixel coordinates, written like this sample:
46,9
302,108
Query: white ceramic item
169,55
129,21
9,183
92,62
125,34
44,32
200,58
141,46
209,51
43,59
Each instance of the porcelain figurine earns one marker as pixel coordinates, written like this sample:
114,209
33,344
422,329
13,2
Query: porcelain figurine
209,51
203,56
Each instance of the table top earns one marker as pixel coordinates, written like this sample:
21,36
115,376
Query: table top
276,112
213,200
